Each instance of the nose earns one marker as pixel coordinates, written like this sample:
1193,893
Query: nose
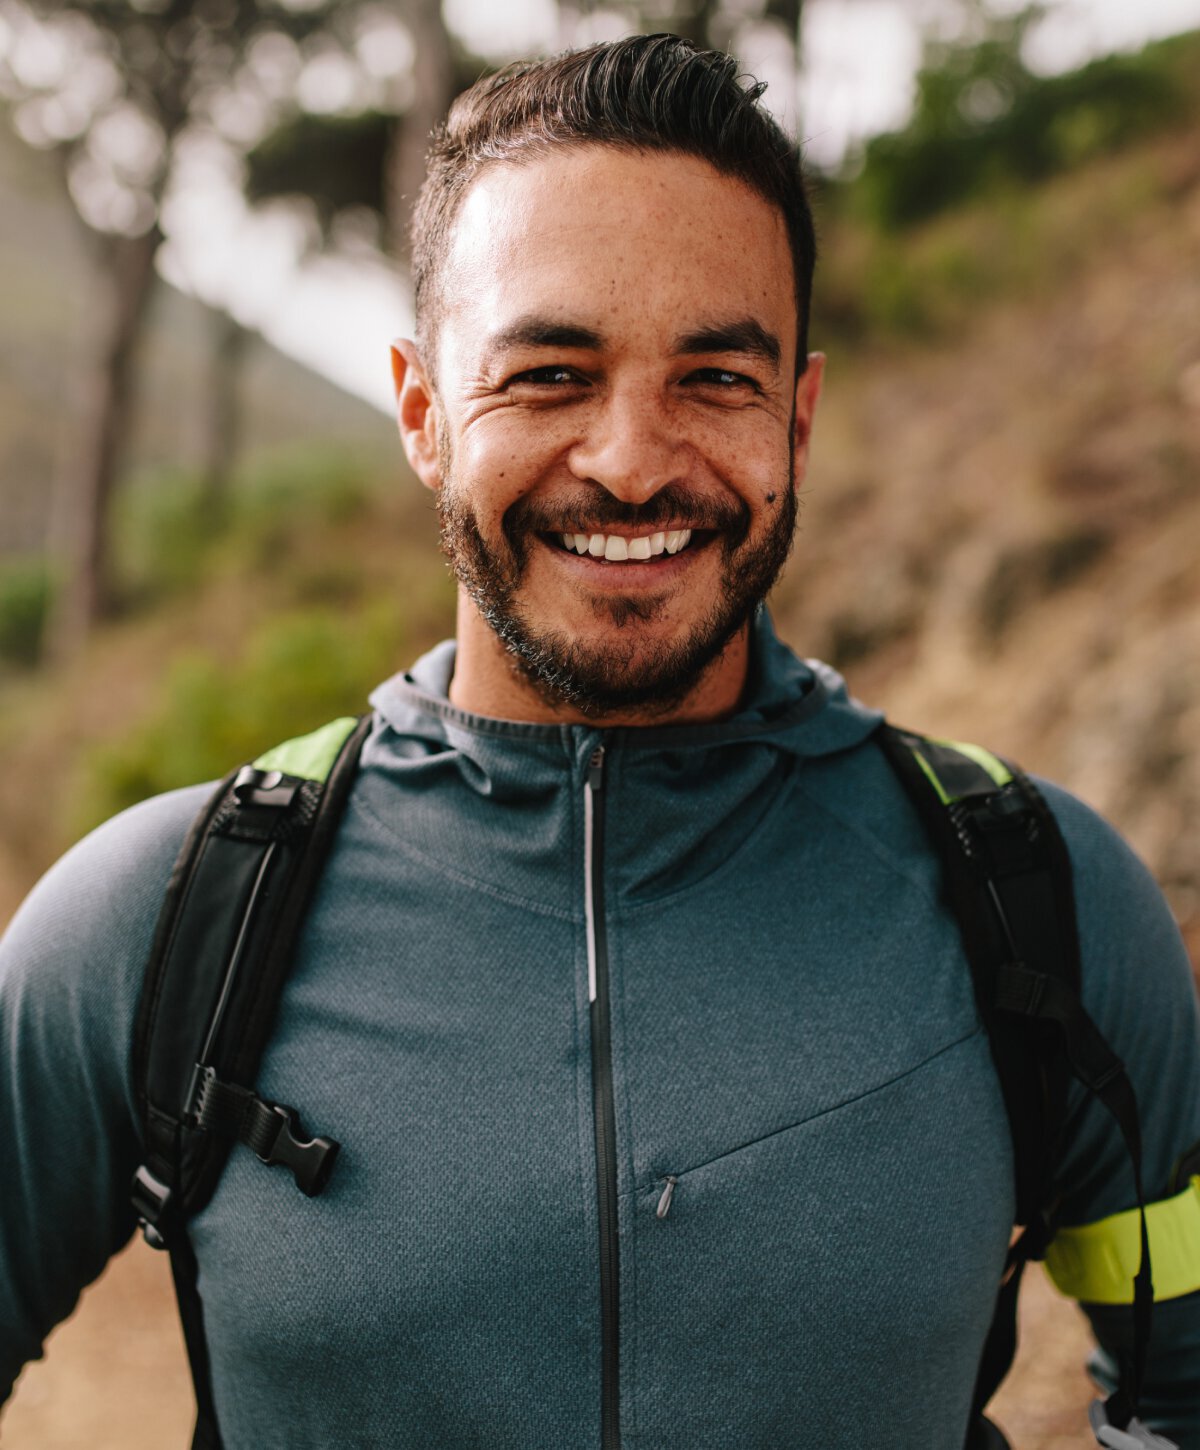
631,448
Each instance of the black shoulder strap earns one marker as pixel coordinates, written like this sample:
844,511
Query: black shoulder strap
1007,880
222,950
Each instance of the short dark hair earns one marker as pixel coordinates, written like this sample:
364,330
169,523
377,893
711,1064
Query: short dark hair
644,93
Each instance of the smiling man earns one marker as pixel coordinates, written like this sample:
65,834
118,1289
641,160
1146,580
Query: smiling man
693,1042
615,412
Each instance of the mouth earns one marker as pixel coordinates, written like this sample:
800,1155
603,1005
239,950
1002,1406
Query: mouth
660,544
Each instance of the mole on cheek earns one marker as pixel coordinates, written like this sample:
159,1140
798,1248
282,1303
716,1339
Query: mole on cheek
771,496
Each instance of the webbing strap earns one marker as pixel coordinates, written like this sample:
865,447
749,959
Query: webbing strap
1096,1263
191,1316
223,949
1094,1063
272,1130
1005,859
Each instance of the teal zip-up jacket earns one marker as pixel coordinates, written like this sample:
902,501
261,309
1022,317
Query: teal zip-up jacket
810,1170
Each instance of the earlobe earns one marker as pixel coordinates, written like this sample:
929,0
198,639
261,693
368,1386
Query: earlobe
416,413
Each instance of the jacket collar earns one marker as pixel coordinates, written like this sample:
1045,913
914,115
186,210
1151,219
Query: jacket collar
801,707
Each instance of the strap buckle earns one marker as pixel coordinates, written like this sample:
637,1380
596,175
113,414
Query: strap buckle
1135,1435
151,1202
310,1159
264,788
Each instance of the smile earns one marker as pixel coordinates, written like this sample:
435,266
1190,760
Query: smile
618,549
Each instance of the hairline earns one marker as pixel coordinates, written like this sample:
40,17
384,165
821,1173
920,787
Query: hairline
529,147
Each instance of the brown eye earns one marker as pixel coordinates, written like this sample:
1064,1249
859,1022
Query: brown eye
724,378
547,377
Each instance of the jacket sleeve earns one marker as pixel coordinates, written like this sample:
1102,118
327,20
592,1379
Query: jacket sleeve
1138,988
71,965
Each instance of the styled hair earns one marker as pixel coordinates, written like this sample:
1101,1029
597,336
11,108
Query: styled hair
642,93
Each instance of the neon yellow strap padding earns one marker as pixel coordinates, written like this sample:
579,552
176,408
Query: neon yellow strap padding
1096,1262
309,757
994,766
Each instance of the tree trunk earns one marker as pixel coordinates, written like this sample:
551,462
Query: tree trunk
433,90
694,21
223,423
87,592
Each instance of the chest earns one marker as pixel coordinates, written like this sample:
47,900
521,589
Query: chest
789,1047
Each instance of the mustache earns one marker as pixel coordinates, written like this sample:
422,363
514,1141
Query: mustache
675,506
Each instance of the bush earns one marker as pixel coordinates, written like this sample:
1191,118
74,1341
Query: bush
169,536
26,593
983,119
298,671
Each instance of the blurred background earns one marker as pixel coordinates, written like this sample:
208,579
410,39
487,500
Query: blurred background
209,540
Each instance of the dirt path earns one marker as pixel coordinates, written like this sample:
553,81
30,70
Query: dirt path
115,1377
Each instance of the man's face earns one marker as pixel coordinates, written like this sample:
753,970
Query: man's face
617,419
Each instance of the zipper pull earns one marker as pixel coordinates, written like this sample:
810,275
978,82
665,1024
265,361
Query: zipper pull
664,1203
595,769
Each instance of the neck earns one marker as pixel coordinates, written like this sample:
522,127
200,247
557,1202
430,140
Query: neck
487,681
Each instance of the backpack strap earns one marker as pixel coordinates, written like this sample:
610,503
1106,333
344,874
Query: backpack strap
1007,881
222,950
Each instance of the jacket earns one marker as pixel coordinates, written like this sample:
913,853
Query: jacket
807,1190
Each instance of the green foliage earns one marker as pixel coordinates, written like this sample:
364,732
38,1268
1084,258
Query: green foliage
982,119
26,593
170,533
297,671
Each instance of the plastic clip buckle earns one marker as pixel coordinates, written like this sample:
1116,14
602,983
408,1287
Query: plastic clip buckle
310,1159
151,1200
264,788
1135,1436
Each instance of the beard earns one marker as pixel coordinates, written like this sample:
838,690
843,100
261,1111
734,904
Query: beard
624,672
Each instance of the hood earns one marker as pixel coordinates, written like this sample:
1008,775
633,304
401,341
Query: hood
801,706
680,798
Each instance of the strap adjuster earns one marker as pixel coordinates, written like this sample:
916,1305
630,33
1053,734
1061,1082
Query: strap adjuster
271,1130
264,788
1135,1435
277,1137
151,1202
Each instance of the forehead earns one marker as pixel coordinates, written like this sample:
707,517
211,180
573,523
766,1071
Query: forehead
632,244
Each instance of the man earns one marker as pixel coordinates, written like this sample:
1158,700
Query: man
667,1117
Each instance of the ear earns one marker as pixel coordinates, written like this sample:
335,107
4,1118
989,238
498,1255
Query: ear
417,414
808,390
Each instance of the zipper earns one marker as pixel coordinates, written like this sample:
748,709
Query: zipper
602,1097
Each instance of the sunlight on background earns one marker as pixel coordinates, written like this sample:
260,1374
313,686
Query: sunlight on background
338,313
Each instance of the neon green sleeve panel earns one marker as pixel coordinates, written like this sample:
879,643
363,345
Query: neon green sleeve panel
309,757
1097,1261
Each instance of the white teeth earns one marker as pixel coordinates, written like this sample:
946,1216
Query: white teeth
616,548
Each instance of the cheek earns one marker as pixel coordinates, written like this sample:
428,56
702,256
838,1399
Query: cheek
500,463
756,462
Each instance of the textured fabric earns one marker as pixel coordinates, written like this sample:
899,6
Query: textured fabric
794,1042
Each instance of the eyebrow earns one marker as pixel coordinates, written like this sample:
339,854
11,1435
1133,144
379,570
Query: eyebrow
745,335
536,331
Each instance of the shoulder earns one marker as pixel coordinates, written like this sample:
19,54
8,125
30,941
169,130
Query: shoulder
1139,989
1128,936
71,961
